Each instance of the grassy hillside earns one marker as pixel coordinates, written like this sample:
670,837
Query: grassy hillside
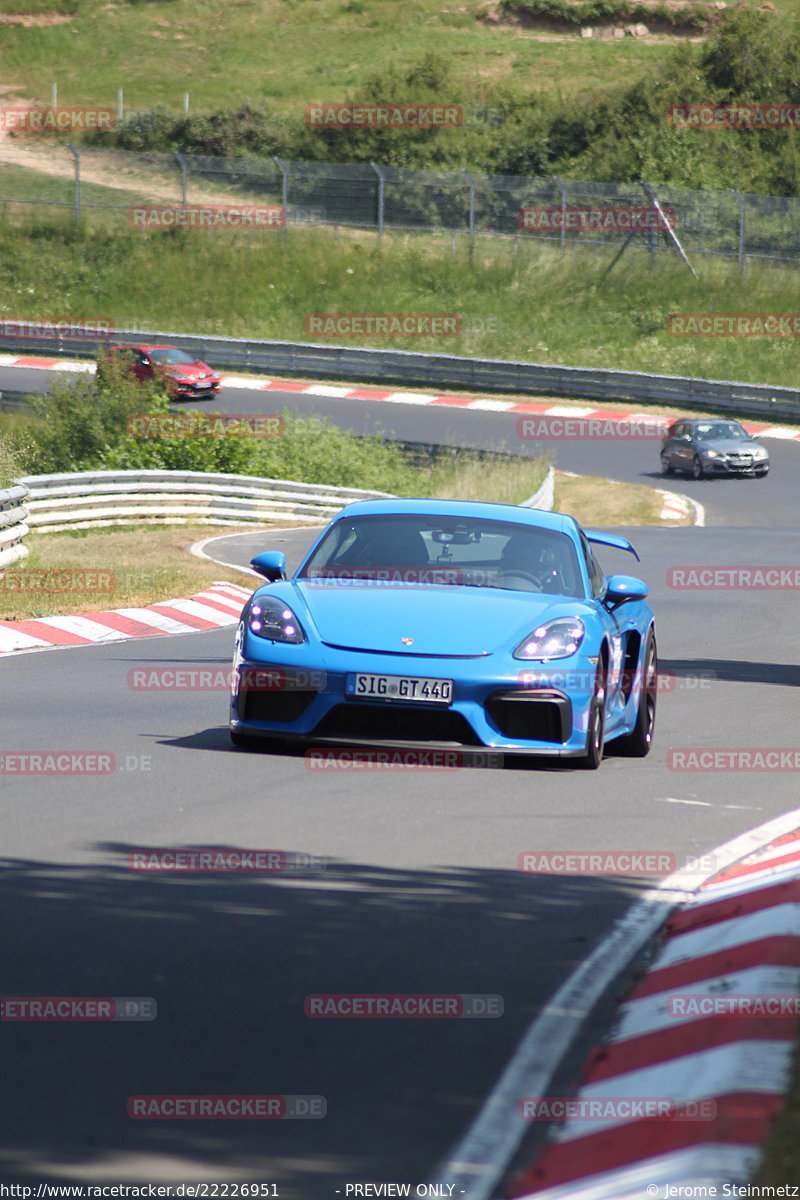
535,306
287,51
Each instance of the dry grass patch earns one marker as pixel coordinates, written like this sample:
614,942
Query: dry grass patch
115,569
501,482
603,502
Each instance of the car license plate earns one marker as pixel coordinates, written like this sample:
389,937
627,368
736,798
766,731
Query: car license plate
201,385
400,687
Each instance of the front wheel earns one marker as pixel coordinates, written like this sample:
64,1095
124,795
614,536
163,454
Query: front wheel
637,743
666,465
596,725
697,468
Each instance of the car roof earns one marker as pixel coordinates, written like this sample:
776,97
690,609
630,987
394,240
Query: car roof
712,421
146,346
537,517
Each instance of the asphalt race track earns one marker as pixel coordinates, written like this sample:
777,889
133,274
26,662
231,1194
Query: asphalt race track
419,890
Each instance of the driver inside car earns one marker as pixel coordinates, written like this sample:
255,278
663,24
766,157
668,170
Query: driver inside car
528,565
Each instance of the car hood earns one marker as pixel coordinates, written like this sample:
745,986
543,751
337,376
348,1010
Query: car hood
192,370
452,622
729,445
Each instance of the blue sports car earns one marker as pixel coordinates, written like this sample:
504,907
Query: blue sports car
442,623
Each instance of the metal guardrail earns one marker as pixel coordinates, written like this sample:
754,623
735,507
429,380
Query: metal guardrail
13,524
93,499
314,361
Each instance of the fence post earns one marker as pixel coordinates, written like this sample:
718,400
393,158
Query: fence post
381,179
186,103
668,230
742,214
120,105
181,161
77,168
284,170
55,94
471,182
562,188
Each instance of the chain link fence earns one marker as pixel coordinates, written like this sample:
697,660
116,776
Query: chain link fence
103,186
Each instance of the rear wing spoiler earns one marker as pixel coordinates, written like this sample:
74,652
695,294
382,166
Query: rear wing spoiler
611,539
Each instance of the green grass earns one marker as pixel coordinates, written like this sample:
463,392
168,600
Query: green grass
291,52
535,306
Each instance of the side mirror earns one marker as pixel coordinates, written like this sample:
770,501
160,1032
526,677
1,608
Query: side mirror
622,588
271,564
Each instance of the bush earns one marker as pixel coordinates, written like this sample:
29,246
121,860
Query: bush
75,426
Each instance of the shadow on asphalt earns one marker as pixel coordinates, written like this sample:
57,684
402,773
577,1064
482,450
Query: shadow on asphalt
724,670
229,959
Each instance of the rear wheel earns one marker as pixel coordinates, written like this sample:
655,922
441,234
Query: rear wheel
697,468
637,743
596,725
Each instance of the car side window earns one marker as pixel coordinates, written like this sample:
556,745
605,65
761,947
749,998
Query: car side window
597,579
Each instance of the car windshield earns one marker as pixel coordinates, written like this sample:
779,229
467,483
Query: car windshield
426,549
709,431
171,356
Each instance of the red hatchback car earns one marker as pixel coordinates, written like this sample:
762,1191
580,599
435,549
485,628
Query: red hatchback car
185,376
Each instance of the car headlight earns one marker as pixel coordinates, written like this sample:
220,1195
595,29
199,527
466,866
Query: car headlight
269,618
555,639
761,452
710,453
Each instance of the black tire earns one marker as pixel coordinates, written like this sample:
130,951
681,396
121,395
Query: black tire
666,466
637,743
697,468
595,732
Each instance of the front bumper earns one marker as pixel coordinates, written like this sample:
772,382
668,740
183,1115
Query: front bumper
307,701
187,391
717,466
